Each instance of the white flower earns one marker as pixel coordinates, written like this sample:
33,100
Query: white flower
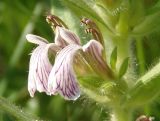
61,77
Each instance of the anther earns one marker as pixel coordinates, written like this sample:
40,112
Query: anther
93,29
54,21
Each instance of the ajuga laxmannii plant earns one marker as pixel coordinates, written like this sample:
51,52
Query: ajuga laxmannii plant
102,59
104,72
88,69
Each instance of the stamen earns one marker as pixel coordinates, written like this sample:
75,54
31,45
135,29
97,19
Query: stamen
55,21
93,29
95,34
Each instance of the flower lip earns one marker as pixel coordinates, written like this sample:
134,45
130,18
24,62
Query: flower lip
36,39
93,51
93,43
62,78
39,70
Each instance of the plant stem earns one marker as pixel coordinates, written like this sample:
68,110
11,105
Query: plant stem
15,111
140,56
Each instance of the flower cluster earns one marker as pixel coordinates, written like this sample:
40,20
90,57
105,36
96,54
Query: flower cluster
59,76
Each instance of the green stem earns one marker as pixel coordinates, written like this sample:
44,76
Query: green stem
122,25
141,61
122,43
140,56
15,111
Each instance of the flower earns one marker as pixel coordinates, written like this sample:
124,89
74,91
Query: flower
60,77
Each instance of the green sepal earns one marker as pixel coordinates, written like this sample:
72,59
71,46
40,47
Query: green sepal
123,67
91,85
102,91
90,81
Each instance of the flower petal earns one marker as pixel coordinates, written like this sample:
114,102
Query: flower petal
93,55
39,69
64,37
36,39
94,47
62,78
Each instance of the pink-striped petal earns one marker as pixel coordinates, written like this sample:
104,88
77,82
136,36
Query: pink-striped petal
94,48
64,37
62,78
93,55
39,69
36,39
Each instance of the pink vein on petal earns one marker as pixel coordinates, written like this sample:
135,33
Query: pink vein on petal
62,78
39,69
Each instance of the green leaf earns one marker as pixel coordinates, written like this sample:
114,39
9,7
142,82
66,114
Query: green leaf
137,12
113,58
154,9
146,88
123,68
150,24
143,93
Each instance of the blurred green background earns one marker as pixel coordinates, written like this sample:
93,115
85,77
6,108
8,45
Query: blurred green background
19,17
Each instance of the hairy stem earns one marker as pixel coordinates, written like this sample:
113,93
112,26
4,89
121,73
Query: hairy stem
15,111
